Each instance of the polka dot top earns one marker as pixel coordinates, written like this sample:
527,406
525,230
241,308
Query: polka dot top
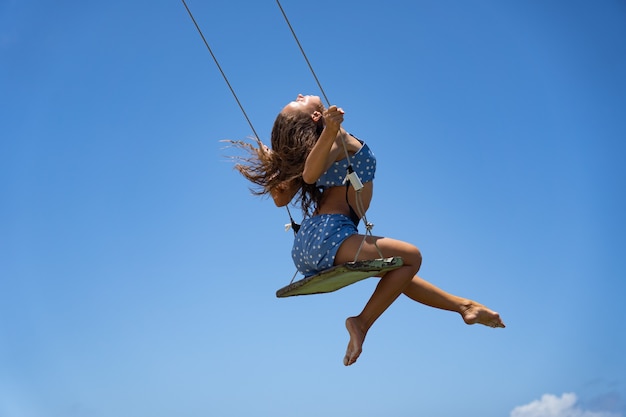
363,163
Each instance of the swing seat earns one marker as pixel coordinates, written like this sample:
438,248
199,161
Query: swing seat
339,276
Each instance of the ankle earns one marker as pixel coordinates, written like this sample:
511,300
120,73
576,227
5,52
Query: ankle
464,304
359,322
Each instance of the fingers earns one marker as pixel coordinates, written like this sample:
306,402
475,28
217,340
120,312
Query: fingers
334,109
333,115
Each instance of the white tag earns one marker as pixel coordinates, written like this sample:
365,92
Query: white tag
355,181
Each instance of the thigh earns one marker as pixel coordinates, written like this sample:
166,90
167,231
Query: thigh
388,246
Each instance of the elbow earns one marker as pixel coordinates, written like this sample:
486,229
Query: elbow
280,198
280,201
283,193
308,178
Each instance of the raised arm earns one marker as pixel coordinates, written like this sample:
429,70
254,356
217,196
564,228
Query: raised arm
317,162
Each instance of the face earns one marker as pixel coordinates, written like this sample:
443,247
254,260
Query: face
304,104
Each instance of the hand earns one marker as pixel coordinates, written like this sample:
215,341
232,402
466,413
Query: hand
333,117
266,149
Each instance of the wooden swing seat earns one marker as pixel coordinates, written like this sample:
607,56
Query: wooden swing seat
339,276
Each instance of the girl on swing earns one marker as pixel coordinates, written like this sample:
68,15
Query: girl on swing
307,159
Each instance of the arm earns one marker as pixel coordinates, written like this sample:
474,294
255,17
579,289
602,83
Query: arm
283,193
317,161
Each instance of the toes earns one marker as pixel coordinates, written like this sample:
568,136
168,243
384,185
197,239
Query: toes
496,324
350,357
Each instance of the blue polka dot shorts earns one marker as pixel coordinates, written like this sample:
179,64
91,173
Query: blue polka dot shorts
316,244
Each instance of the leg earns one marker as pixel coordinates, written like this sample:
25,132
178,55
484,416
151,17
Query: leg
391,285
472,312
402,280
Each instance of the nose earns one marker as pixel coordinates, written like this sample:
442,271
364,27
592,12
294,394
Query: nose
300,96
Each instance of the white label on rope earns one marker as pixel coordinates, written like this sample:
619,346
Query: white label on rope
355,181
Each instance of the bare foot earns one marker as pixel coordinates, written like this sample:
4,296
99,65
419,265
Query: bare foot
355,345
474,312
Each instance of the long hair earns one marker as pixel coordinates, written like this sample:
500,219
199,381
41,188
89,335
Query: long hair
293,136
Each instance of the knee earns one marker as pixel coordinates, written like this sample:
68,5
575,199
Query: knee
413,258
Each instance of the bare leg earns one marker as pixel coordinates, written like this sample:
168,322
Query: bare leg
472,312
402,280
387,291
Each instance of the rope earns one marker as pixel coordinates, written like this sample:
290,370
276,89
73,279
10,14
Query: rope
368,228
221,71
359,201
303,53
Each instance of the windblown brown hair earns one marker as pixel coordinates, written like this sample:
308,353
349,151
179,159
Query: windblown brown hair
293,136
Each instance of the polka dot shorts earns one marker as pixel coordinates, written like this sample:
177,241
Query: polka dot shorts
316,244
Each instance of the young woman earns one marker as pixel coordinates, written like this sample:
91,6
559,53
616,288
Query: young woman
307,160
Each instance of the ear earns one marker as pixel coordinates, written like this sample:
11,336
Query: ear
316,116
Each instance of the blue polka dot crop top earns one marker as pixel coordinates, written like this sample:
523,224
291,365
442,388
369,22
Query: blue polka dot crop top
363,163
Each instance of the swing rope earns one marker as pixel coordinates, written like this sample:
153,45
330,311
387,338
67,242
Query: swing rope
341,275
303,53
351,175
219,67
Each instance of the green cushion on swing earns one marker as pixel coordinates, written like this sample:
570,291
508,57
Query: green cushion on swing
339,276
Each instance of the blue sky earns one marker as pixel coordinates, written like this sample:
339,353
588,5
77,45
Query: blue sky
137,273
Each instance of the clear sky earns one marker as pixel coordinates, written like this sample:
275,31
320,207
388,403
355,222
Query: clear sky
137,273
